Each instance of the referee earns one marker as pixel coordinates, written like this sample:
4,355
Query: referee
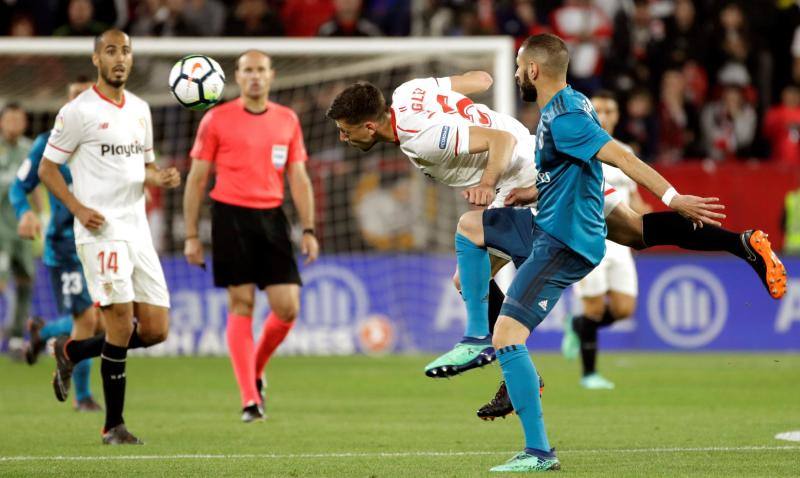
251,141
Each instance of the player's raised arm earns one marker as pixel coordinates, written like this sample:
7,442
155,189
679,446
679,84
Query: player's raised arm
471,82
500,146
698,209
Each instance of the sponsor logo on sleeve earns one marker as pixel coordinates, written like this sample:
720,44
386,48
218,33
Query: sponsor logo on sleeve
280,153
59,125
443,137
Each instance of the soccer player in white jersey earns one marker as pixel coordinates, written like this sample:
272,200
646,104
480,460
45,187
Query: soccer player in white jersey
458,143
105,136
609,292
450,139
444,134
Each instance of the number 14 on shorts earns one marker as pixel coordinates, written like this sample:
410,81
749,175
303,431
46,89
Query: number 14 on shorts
110,264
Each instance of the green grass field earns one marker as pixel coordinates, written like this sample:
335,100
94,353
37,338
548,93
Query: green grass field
671,415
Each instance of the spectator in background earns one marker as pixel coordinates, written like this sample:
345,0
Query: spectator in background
168,20
733,45
796,56
145,17
639,128
696,79
684,39
587,31
521,21
113,12
253,18
634,47
472,20
677,120
347,22
21,25
393,17
782,127
303,18
729,124
781,35
81,22
206,17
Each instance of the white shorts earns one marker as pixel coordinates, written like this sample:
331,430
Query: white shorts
118,272
616,272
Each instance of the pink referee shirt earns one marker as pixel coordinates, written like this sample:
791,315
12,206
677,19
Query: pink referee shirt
250,152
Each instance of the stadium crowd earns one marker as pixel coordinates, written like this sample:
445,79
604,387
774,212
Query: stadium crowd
696,78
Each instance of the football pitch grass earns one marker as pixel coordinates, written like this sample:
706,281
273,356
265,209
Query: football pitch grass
670,415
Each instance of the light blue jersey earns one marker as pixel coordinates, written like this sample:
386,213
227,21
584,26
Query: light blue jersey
59,245
570,179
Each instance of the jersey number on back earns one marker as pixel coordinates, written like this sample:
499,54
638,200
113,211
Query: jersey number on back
466,109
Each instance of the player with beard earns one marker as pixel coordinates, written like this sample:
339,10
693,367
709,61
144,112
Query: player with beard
61,260
569,232
461,144
105,136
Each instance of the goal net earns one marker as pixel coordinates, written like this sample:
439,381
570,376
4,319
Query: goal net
386,231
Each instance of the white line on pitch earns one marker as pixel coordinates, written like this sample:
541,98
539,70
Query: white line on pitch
387,454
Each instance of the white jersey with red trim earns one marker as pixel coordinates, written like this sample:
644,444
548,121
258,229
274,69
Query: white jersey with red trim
620,181
106,147
432,124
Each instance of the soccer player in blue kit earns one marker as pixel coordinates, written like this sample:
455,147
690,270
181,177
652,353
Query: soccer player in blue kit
569,231
61,259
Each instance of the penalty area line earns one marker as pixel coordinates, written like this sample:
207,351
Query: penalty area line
400,454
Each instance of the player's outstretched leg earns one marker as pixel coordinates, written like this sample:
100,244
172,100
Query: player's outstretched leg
753,246
500,406
40,333
474,268
62,377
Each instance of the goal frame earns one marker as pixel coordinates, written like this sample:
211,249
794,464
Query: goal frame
502,49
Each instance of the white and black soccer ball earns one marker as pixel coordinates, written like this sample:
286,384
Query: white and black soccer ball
197,82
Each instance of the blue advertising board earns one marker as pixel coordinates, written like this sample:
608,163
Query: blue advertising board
400,303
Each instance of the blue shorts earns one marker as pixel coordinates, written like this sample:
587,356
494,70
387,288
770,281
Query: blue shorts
540,280
508,233
69,289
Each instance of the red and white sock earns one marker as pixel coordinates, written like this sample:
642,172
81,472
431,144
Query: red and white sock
239,334
275,330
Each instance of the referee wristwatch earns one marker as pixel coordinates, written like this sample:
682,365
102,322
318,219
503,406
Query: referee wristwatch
309,230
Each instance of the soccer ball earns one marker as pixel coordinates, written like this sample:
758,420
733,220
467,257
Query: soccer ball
197,81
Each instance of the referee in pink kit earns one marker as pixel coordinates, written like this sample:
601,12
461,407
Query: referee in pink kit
251,140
